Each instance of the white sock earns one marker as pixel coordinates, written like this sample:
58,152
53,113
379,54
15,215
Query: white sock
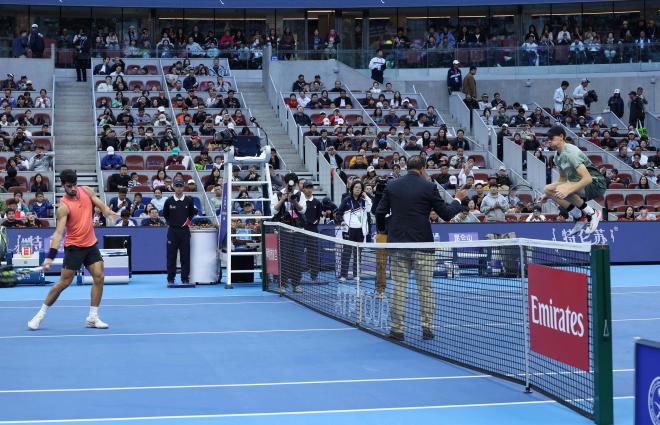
43,310
588,210
94,311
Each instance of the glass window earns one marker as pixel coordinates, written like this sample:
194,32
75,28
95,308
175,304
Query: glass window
73,20
540,16
13,20
651,16
351,30
293,20
382,27
201,18
231,20
504,22
323,20
472,17
567,17
597,18
415,22
170,21
260,20
628,16
48,19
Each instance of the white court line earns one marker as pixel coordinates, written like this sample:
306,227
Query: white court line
274,384
635,292
151,305
308,412
106,335
641,319
266,294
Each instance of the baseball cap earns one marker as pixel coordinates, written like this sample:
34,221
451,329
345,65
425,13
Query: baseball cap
502,168
28,82
175,151
370,169
191,181
161,109
585,80
17,149
178,182
35,26
309,184
616,91
110,150
505,125
455,62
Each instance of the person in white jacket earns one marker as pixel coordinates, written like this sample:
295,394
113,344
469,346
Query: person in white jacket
353,214
560,97
578,97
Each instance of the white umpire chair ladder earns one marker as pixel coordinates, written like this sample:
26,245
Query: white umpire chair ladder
261,162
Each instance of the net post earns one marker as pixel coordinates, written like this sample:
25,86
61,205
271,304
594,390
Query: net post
602,337
358,295
264,276
525,315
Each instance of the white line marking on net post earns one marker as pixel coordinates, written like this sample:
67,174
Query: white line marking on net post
152,305
308,412
106,335
641,319
267,384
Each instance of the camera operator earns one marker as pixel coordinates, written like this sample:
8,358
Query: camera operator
353,214
290,210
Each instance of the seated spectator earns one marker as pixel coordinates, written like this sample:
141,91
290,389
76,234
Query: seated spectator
643,183
11,221
11,180
40,161
153,220
494,205
460,141
191,186
190,82
41,206
536,215
125,220
503,180
231,101
359,161
98,219
216,199
32,221
300,117
623,155
111,161
629,215
120,202
21,207
343,101
518,120
120,180
43,101
644,215
472,207
38,184
158,200
175,159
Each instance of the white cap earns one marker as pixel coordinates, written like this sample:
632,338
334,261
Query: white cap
161,109
617,91
502,168
191,181
110,150
370,168
455,62
585,80
35,26
230,126
326,121
453,179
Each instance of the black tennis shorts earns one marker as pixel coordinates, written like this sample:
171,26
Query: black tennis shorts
75,257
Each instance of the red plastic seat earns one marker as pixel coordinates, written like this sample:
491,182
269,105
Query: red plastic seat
614,200
653,201
617,186
597,160
151,69
141,188
479,161
42,118
135,85
133,70
45,143
351,119
154,85
635,199
134,162
155,162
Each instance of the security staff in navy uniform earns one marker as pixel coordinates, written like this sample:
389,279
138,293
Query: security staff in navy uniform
178,211
313,212
82,57
290,210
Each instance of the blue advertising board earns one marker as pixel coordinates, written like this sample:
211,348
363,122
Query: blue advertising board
647,382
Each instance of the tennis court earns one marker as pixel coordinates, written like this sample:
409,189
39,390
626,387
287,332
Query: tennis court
209,355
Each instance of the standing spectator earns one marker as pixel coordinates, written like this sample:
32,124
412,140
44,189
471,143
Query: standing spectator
470,84
454,78
616,103
409,200
19,45
36,42
377,66
636,118
312,217
494,205
560,98
579,95
82,47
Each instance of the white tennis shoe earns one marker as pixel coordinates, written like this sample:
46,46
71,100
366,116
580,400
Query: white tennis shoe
95,322
578,226
593,224
35,322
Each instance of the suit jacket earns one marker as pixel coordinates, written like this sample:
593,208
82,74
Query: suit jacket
410,199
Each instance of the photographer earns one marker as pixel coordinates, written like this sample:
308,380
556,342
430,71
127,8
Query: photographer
290,210
353,214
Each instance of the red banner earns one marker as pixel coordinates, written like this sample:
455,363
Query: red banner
272,255
558,315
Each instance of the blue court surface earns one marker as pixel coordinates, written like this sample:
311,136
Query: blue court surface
209,355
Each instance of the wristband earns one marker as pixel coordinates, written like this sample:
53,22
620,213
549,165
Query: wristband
52,253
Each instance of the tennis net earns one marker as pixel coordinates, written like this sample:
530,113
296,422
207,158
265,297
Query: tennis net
533,312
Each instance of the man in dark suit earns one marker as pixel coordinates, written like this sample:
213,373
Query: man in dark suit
409,200
103,68
82,57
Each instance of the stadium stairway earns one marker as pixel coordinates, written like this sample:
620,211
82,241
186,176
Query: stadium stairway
75,146
257,100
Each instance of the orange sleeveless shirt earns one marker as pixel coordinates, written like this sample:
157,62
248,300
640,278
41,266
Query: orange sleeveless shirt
79,225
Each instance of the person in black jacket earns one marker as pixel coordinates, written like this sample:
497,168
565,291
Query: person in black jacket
410,200
178,212
616,103
636,118
82,46
313,212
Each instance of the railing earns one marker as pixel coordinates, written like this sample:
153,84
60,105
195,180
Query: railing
459,111
483,133
536,171
338,187
652,124
611,119
513,155
311,156
326,172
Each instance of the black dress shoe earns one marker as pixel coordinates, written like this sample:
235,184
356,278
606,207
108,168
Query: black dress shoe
427,334
396,335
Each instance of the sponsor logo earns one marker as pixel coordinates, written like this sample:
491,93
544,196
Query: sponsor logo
654,401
